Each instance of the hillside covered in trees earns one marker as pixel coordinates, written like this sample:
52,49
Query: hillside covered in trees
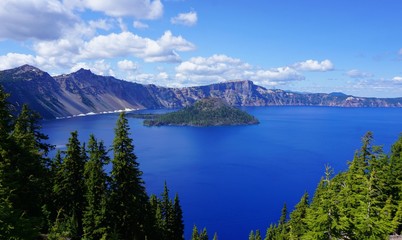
363,202
205,112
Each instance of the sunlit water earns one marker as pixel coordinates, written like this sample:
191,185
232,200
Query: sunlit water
235,179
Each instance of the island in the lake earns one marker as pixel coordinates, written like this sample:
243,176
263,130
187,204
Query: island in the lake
205,112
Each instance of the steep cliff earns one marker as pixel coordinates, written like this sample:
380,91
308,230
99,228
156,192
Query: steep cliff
83,92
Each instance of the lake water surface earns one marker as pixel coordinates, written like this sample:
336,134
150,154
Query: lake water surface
235,179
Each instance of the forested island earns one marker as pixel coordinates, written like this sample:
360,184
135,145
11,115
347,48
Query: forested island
205,112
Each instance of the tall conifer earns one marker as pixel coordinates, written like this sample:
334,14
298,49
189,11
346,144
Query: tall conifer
69,189
94,218
128,200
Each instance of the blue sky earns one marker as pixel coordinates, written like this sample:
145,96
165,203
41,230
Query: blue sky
353,47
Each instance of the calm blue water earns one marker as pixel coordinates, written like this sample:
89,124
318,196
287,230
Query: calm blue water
234,179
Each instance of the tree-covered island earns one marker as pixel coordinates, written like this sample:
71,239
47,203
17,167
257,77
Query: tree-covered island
205,112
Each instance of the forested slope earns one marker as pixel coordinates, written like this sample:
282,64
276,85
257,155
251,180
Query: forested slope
363,202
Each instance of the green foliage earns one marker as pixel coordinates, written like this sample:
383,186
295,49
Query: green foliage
69,188
203,235
206,112
95,213
297,225
13,222
127,187
356,204
71,197
168,224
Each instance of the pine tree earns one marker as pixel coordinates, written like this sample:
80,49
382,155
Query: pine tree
178,225
5,119
167,213
251,236
297,218
323,214
271,232
204,234
155,221
30,163
94,220
127,187
215,236
69,189
195,235
257,235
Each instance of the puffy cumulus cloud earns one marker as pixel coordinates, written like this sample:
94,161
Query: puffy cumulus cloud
127,65
354,73
139,25
100,67
34,19
397,79
275,76
82,44
187,19
141,9
161,78
127,43
12,60
314,66
218,68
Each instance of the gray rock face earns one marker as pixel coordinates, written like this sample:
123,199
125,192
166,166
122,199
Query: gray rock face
83,92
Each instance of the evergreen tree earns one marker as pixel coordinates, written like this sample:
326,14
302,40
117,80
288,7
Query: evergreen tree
94,220
204,234
22,163
257,235
155,220
167,213
215,236
251,236
13,222
29,166
297,219
178,225
323,214
194,234
128,200
5,120
271,233
69,189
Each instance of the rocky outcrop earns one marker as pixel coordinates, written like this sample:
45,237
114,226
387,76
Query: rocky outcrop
84,92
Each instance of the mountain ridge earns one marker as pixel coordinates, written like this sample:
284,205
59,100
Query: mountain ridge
83,92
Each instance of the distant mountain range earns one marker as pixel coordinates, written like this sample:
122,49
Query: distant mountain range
84,92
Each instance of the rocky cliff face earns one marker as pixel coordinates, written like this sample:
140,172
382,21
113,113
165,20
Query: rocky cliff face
84,92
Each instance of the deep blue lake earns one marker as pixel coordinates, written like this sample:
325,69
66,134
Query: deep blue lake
235,179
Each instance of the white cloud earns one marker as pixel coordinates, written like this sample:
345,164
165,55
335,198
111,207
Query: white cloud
12,60
275,76
127,43
127,65
100,67
122,25
141,9
139,25
314,66
34,19
354,73
187,19
400,51
397,79
218,68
